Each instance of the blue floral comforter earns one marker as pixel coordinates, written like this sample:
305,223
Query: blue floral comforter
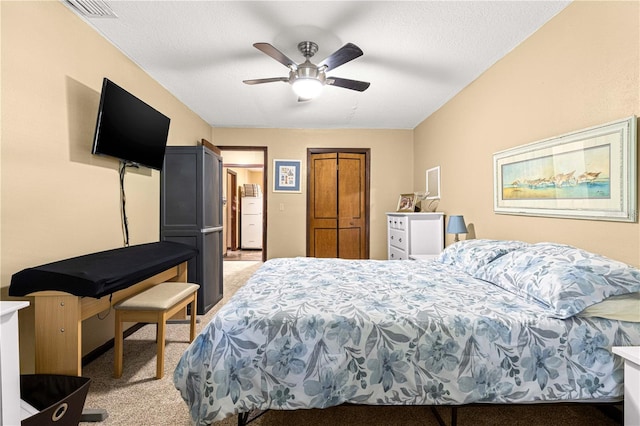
314,333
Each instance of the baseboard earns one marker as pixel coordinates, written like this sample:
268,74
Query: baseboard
102,349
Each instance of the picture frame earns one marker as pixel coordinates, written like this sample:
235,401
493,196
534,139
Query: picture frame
406,203
587,174
432,188
286,176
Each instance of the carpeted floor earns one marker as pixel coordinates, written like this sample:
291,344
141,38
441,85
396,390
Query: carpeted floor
243,255
138,399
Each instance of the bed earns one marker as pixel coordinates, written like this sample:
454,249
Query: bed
486,322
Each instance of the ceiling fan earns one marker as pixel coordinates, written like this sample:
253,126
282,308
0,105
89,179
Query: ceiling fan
307,79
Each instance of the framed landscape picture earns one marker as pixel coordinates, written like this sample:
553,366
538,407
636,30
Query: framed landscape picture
588,174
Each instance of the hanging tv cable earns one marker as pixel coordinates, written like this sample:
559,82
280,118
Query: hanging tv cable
123,200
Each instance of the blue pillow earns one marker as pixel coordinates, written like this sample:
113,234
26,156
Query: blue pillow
469,255
565,279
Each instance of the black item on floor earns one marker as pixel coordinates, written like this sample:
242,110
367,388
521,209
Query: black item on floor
59,398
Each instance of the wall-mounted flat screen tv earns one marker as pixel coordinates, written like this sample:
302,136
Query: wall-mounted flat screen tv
129,129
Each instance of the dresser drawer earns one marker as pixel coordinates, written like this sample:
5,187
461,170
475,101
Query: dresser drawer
397,222
397,254
252,205
398,238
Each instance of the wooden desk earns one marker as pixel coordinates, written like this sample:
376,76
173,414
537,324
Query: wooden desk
59,316
69,291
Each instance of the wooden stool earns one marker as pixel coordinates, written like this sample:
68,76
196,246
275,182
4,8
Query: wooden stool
155,305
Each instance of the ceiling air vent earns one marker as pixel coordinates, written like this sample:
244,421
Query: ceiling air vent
92,8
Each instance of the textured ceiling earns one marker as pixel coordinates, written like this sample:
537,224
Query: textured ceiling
417,54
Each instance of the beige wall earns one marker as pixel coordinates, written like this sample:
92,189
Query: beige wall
255,177
391,174
58,200
580,70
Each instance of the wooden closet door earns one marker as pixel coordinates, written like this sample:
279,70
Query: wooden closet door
337,213
323,205
351,206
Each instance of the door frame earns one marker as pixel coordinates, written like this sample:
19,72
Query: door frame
265,168
367,159
231,217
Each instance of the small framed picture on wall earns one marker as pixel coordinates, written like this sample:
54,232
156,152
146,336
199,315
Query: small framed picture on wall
433,184
286,176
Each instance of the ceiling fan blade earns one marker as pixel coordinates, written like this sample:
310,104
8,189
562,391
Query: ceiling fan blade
346,53
266,80
276,54
360,86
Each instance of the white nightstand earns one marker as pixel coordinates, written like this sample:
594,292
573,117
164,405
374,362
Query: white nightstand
10,363
631,355
411,234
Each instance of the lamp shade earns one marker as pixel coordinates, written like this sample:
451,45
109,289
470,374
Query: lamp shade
307,88
456,225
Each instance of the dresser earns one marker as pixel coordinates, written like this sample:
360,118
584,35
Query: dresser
251,223
414,234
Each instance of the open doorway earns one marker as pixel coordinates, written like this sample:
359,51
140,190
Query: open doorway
245,210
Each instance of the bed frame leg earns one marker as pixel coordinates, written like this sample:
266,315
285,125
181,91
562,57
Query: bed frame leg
245,418
440,420
242,419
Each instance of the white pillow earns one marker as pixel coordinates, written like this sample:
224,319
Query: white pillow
625,307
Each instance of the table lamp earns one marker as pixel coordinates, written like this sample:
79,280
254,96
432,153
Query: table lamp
456,226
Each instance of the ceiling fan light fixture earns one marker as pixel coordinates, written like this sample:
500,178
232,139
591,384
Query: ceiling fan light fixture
307,88
307,78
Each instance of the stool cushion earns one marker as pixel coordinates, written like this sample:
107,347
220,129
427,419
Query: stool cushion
159,297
